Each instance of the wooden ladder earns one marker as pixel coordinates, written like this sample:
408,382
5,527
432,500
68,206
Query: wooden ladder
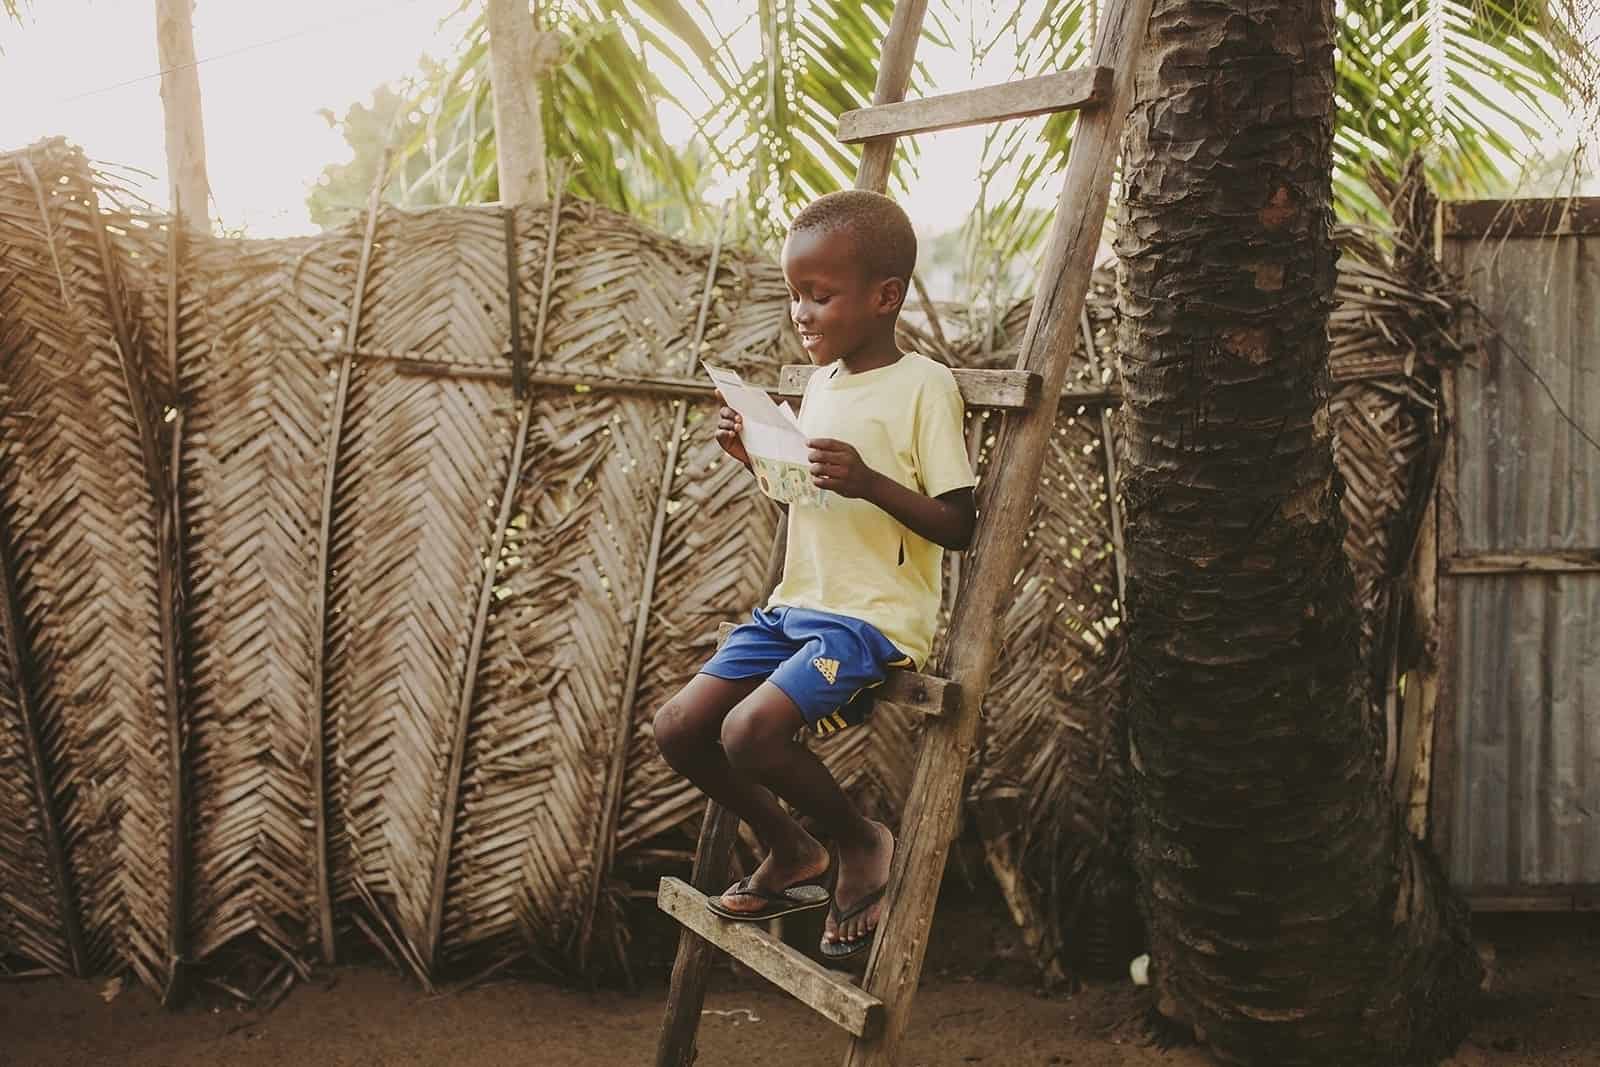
877,1011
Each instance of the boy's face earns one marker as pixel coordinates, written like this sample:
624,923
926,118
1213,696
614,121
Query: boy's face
836,308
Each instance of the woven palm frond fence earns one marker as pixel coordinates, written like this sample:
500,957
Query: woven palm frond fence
342,575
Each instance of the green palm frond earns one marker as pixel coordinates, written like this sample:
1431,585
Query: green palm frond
598,102
1463,83
816,59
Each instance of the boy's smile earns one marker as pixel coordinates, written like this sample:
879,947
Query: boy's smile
841,314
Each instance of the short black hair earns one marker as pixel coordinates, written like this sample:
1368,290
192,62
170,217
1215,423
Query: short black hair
884,239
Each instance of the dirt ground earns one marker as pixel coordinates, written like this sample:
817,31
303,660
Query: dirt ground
1543,1011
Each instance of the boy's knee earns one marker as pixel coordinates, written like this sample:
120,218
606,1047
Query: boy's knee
749,742
674,728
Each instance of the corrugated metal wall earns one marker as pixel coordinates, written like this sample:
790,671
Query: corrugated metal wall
1525,788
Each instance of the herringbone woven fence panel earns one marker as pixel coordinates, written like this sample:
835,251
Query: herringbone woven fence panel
326,649
82,525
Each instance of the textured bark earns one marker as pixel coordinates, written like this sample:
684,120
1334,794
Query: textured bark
1292,919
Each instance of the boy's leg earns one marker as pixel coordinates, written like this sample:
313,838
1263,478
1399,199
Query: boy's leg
759,738
688,731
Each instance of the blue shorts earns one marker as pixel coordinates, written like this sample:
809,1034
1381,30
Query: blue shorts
827,664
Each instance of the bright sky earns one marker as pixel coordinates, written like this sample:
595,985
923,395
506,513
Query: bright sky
86,70
72,67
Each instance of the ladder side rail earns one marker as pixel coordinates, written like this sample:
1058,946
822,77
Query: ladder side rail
929,819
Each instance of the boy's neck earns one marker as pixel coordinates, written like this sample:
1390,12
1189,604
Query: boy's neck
880,352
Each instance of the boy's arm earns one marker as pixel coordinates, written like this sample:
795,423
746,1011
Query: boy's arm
947,520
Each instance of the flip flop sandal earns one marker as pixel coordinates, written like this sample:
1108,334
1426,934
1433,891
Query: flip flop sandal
843,950
804,895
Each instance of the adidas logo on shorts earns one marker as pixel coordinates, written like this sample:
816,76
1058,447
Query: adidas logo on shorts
828,668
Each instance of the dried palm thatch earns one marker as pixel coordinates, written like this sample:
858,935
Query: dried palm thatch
81,477
390,698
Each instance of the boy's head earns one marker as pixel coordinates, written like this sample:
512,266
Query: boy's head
847,260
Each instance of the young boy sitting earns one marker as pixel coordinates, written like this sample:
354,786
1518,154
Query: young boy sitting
861,578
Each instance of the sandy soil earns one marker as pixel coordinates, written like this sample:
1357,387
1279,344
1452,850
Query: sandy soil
1543,1011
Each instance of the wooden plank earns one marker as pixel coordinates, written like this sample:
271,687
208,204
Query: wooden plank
686,991
317,757
925,694
449,796
979,388
1552,561
1523,899
1063,91
929,820
828,993
622,728
1520,218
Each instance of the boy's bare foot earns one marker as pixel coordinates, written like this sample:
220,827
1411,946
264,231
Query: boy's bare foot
781,868
862,869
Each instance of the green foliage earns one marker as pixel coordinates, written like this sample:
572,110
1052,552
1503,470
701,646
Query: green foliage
342,190
1452,80
598,102
1462,81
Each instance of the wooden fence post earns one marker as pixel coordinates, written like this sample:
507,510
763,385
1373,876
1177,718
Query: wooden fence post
317,758
622,732
449,796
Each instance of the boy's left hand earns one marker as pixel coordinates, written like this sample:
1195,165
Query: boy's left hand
838,466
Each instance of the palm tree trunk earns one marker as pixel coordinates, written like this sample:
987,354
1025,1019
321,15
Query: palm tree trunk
514,71
1292,919
180,100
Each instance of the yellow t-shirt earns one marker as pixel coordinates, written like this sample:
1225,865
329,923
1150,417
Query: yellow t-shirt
851,557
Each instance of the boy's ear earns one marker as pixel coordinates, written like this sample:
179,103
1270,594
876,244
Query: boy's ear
891,294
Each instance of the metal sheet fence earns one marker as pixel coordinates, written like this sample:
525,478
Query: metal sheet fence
1523,581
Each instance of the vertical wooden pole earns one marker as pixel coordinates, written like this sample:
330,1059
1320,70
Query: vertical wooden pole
1443,767
622,728
692,966
450,795
317,758
1108,445
518,126
180,104
928,824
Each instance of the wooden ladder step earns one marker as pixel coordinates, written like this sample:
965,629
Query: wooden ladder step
926,694
1065,91
828,993
1017,389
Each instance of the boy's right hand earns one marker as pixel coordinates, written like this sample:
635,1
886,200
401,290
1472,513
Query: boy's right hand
729,427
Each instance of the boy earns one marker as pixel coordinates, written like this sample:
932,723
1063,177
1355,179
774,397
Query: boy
861,577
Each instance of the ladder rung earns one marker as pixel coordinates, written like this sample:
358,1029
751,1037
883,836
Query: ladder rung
1064,91
924,693
979,388
826,992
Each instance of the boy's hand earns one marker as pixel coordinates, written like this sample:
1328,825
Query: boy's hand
838,466
729,426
